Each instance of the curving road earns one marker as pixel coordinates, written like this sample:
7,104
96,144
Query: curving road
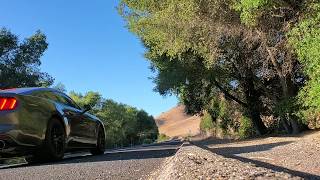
130,163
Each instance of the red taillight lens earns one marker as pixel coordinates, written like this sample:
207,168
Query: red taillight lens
7,103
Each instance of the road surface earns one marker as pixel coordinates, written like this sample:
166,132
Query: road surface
130,163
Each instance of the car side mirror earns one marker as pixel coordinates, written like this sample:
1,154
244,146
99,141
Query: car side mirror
86,108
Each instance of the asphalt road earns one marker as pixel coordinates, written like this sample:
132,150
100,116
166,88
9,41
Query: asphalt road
129,163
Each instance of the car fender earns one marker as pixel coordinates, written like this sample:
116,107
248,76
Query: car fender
64,119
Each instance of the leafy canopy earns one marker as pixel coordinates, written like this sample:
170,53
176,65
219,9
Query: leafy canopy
125,125
239,48
20,61
305,38
175,27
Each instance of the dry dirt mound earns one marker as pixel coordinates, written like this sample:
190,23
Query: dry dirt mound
176,123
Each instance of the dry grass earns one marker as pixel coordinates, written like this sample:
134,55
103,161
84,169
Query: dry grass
176,123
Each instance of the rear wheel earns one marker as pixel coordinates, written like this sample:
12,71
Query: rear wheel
54,145
101,143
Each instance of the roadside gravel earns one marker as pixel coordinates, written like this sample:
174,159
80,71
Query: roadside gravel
192,162
298,155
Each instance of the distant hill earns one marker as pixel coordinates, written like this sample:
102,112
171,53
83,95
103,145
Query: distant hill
176,123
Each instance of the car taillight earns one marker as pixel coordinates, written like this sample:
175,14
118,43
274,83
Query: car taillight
7,103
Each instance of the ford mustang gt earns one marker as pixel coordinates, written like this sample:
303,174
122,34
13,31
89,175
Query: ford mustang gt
43,123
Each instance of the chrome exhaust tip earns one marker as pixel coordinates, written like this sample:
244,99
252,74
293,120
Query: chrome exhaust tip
2,144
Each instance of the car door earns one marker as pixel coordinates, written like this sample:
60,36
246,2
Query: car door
82,127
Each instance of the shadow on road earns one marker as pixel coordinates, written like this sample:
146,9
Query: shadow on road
114,156
121,156
226,151
232,152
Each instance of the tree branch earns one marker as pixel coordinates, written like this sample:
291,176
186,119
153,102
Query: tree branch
228,95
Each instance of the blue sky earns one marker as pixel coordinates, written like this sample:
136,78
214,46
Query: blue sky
89,49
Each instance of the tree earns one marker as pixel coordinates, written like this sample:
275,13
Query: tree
60,87
20,61
273,20
203,30
241,45
93,99
305,39
124,125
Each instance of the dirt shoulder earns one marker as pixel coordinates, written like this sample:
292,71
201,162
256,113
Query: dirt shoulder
192,162
298,155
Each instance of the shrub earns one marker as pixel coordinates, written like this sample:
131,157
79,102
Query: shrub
305,39
162,137
246,128
206,123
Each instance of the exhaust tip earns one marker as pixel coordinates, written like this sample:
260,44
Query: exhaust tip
2,144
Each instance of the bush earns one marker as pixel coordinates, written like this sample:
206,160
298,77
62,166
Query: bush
305,39
162,137
246,128
206,124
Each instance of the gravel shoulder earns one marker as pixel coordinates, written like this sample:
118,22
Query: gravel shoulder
298,155
192,162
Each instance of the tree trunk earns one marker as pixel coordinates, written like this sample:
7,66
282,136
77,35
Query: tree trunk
295,126
288,91
285,125
254,104
257,122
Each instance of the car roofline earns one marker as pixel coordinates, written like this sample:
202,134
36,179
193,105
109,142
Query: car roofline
28,90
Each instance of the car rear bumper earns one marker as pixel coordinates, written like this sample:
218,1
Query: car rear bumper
7,145
10,142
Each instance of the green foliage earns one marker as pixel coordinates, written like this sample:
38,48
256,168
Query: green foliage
246,128
206,124
174,27
163,137
196,47
220,119
200,50
214,108
219,111
90,98
20,61
124,124
290,107
305,38
60,87
250,10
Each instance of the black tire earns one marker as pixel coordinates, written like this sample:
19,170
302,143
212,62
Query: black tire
101,143
54,145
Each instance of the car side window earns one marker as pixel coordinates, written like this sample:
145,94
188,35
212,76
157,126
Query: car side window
45,94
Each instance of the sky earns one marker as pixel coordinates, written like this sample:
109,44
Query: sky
90,49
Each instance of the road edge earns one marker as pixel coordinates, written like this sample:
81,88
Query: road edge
193,162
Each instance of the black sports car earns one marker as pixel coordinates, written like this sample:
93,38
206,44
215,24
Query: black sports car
45,123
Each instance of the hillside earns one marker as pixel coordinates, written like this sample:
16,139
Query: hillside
176,123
